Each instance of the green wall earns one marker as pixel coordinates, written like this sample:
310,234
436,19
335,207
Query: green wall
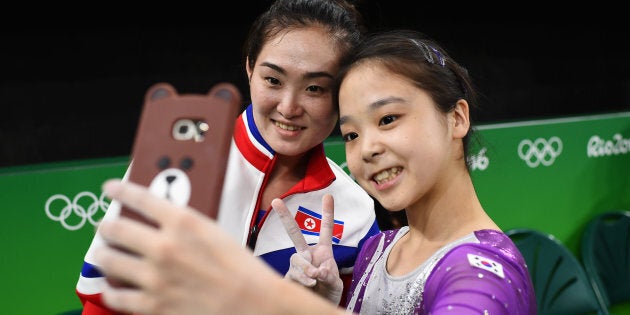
46,226
579,167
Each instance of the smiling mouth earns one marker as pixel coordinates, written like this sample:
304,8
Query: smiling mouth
286,127
386,175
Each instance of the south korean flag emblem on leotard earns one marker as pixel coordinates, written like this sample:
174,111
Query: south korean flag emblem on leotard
486,264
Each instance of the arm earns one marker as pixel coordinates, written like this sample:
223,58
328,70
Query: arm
473,278
210,273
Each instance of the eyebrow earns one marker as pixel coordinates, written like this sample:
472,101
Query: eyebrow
309,75
374,106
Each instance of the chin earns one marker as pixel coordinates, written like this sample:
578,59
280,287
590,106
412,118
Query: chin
391,204
291,150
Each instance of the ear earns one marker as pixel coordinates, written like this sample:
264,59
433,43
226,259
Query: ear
461,119
226,92
159,91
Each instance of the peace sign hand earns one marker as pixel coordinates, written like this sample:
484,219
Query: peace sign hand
313,266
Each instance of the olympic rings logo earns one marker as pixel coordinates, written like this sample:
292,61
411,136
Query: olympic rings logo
73,214
540,151
479,161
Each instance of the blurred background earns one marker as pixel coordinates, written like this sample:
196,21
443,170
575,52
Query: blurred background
72,89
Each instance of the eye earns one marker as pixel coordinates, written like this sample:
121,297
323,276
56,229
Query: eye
272,81
315,88
386,120
186,163
347,137
163,163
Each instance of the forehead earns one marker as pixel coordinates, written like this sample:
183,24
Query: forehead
370,80
311,48
370,85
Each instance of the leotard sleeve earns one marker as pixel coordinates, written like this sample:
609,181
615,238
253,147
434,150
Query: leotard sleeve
480,279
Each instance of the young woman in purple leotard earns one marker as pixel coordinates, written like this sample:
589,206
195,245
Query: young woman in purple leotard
405,118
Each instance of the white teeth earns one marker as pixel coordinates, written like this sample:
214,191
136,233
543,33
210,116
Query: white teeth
287,127
386,175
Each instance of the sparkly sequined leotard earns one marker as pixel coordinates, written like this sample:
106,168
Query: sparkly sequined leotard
482,273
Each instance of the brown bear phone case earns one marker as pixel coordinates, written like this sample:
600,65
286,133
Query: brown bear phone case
181,147
182,144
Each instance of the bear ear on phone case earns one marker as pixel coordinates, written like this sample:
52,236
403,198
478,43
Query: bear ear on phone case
182,144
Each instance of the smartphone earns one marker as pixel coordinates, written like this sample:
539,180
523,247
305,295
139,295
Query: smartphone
181,146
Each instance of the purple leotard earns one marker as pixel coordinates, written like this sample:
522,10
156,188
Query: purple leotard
483,273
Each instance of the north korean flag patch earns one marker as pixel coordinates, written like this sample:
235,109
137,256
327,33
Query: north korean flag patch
486,264
310,222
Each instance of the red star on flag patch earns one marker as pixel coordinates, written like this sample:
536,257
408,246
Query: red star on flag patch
310,223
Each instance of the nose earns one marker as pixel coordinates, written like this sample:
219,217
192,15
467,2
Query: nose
371,148
289,105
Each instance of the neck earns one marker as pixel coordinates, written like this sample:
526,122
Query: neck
287,171
449,212
290,166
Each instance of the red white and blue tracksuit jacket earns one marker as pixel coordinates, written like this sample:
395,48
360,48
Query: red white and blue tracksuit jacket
251,158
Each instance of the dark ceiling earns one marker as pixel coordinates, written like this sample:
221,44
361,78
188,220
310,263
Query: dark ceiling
74,91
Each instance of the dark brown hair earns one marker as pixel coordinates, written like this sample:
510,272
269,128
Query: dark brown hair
341,18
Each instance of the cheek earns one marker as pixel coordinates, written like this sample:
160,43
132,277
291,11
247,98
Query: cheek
255,93
353,160
263,99
319,107
324,114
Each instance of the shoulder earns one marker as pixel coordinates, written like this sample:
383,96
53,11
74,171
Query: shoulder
380,241
492,267
374,246
502,244
494,247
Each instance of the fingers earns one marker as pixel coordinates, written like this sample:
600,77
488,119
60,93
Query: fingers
119,265
329,272
139,199
292,228
328,217
331,282
301,269
128,234
123,299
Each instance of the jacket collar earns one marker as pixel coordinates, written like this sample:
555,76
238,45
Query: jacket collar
258,152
